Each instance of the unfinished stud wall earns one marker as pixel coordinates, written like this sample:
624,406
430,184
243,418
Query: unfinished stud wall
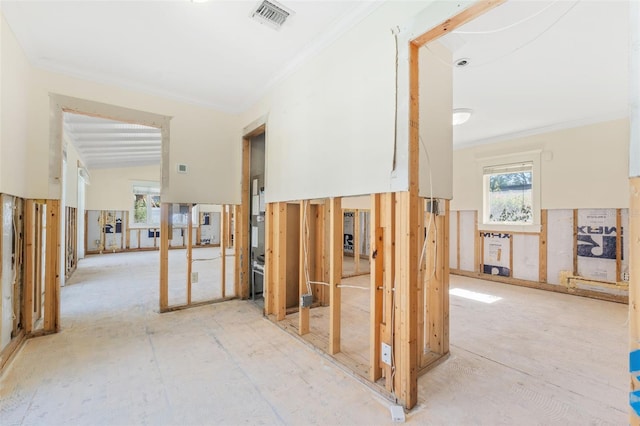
581,249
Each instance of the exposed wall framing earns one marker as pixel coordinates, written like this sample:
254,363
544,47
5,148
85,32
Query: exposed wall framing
534,258
190,277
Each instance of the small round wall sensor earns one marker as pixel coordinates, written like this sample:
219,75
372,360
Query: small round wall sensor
462,62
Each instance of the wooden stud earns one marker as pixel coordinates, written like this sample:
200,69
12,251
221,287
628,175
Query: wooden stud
189,251
223,251
445,277
242,222
458,20
458,239
29,264
478,246
304,267
86,230
280,252
320,255
618,245
336,220
38,284
542,248
376,264
422,278
269,271
237,215
164,255
388,222
510,255
356,240
575,242
52,268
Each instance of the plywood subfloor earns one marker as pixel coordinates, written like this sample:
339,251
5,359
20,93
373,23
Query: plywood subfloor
532,357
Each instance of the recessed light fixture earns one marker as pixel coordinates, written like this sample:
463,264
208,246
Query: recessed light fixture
462,62
461,116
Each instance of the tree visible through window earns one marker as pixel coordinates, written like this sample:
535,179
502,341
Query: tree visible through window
146,204
509,193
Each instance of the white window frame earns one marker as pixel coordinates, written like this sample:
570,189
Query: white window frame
149,189
496,161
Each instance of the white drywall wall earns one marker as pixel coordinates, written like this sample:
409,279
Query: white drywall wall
340,107
112,189
583,167
15,74
436,131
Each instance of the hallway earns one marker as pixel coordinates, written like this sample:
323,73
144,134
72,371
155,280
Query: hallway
532,357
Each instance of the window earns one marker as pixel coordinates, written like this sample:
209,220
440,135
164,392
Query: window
146,204
509,194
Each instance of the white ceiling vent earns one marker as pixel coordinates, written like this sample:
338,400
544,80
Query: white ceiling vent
271,13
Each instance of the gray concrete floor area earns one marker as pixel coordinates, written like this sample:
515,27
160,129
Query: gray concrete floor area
530,357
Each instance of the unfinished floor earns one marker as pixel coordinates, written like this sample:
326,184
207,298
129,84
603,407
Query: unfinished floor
532,357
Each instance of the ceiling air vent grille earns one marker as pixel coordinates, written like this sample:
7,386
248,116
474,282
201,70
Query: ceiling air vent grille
271,13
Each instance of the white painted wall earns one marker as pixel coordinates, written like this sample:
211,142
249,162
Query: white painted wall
111,189
340,108
15,73
583,167
436,131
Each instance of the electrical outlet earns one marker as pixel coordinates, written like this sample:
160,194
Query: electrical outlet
625,276
306,300
385,353
194,277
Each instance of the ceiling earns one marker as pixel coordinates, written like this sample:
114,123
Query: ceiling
105,143
560,65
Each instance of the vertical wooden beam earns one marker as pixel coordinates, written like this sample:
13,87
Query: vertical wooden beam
422,278
634,292
189,251
229,232
445,277
199,229
542,248
38,284
303,316
477,245
575,241
269,266
164,255
280,251
127,230
52,270
237,216
29,264
511,255
223,250
336,220
618,245
458,239
356,240
242,223
320,254
388,222
376,275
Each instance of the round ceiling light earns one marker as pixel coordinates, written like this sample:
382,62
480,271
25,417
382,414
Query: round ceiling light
461,116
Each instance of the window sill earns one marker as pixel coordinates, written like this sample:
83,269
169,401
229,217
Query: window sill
510,228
